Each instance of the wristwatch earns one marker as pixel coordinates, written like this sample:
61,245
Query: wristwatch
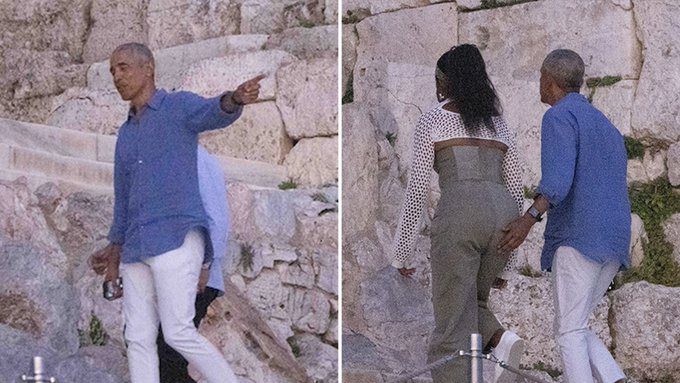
538,216
206,266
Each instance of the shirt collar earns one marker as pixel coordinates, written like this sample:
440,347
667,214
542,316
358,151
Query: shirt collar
154,103
572,97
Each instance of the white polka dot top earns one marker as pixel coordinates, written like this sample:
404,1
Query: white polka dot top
437,125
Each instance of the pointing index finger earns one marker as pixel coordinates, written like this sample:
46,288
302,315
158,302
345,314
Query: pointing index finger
256,79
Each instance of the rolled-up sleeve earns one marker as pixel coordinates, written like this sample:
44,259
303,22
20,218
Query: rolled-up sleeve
559,141
121,197
206,113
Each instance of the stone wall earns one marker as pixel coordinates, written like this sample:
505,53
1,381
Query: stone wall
390,50
55,68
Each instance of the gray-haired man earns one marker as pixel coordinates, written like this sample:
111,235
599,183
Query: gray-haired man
583,187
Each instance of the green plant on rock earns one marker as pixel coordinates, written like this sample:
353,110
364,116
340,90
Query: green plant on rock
247,257
348,97
286,185
391,138
634,148
320,197
294,346
529,191
98,336
528,271
596,82
490,4
655,202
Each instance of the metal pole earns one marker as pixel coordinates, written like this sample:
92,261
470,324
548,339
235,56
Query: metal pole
476,358
38,372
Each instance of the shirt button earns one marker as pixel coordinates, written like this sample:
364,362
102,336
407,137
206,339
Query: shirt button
140,161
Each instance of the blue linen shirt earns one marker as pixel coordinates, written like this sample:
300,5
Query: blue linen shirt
157,200
583,166
213,191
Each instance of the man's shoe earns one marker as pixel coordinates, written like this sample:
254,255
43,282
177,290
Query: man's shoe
509,350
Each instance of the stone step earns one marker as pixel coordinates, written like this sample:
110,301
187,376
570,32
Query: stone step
99,173
34,181
55,140
171,62
55,166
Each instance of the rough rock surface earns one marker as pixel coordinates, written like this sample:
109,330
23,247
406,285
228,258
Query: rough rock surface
673,164
260,126
654,114
114,23
313,161
671,228
308,98
644,319
179,22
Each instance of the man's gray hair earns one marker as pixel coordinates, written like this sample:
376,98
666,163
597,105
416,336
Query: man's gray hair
566,67
140,51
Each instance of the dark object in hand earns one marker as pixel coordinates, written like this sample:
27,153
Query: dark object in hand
113,289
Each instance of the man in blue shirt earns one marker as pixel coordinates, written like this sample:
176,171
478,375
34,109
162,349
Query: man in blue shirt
583,188
160,228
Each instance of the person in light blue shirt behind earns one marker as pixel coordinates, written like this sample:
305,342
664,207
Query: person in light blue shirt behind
213,190
583,189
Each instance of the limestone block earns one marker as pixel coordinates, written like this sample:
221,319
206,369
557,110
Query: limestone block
174,23
645,323
36,296
30,73
172,61
258,135
332,335
317,229
308,97
307,43
214,76
655,114
420,42
326,271
350,40
114,23
273,16
85,110
250,345
399,330
45,25
638,237
309,310
260,215
85,172
49,139
673,164
330,13
359,171
380,6
616,102
320,359
548,25
671,229
314,161
652,166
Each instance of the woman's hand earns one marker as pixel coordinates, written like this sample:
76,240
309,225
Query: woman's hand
407,272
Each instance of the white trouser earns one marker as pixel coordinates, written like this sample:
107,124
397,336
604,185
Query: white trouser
578,286
163,288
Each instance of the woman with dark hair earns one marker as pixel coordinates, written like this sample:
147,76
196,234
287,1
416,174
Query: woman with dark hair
467,142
